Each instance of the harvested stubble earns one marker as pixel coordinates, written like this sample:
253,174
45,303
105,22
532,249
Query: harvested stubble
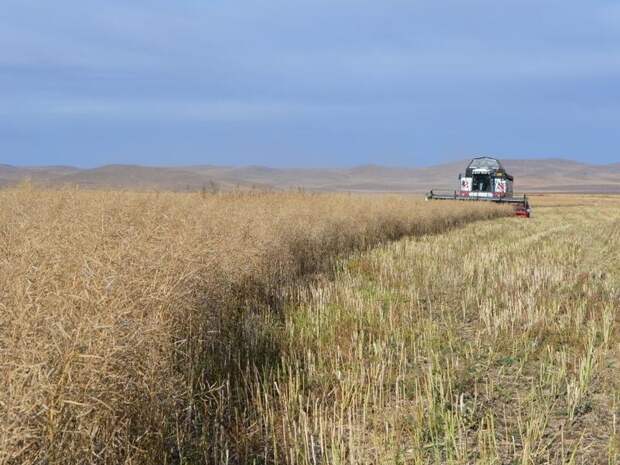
498,343
126,319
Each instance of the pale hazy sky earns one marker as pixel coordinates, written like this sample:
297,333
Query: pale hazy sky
307,82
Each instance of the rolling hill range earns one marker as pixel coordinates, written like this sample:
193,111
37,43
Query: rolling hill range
535,175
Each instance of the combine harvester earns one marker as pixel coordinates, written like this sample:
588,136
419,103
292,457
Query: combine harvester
486,179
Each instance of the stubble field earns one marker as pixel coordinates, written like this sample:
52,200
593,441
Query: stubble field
306,329
496,343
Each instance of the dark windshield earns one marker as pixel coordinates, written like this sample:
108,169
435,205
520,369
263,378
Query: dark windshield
482,183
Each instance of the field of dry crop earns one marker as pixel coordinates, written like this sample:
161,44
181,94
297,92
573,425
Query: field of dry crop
307,329
165,328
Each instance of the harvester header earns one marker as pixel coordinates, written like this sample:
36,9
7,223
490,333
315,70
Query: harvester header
486,179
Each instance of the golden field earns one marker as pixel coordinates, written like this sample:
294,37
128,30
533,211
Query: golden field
153,328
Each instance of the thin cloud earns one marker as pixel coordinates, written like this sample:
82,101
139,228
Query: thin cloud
216,111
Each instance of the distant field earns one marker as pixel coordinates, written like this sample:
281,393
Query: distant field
149,328
575,200
533,175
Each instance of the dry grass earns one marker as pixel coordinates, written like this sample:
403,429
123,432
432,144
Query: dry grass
493,344
150,328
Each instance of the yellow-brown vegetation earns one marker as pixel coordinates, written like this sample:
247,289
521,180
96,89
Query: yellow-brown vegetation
142,327
497,343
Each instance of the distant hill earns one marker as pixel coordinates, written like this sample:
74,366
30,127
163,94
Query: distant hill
536,175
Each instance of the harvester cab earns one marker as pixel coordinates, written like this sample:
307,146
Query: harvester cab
486,179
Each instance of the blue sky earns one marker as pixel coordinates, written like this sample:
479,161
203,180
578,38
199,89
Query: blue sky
307,82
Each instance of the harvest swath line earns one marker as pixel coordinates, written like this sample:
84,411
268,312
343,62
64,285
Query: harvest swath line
128,320
150,328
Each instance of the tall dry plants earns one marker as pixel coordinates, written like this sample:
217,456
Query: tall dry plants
124,316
